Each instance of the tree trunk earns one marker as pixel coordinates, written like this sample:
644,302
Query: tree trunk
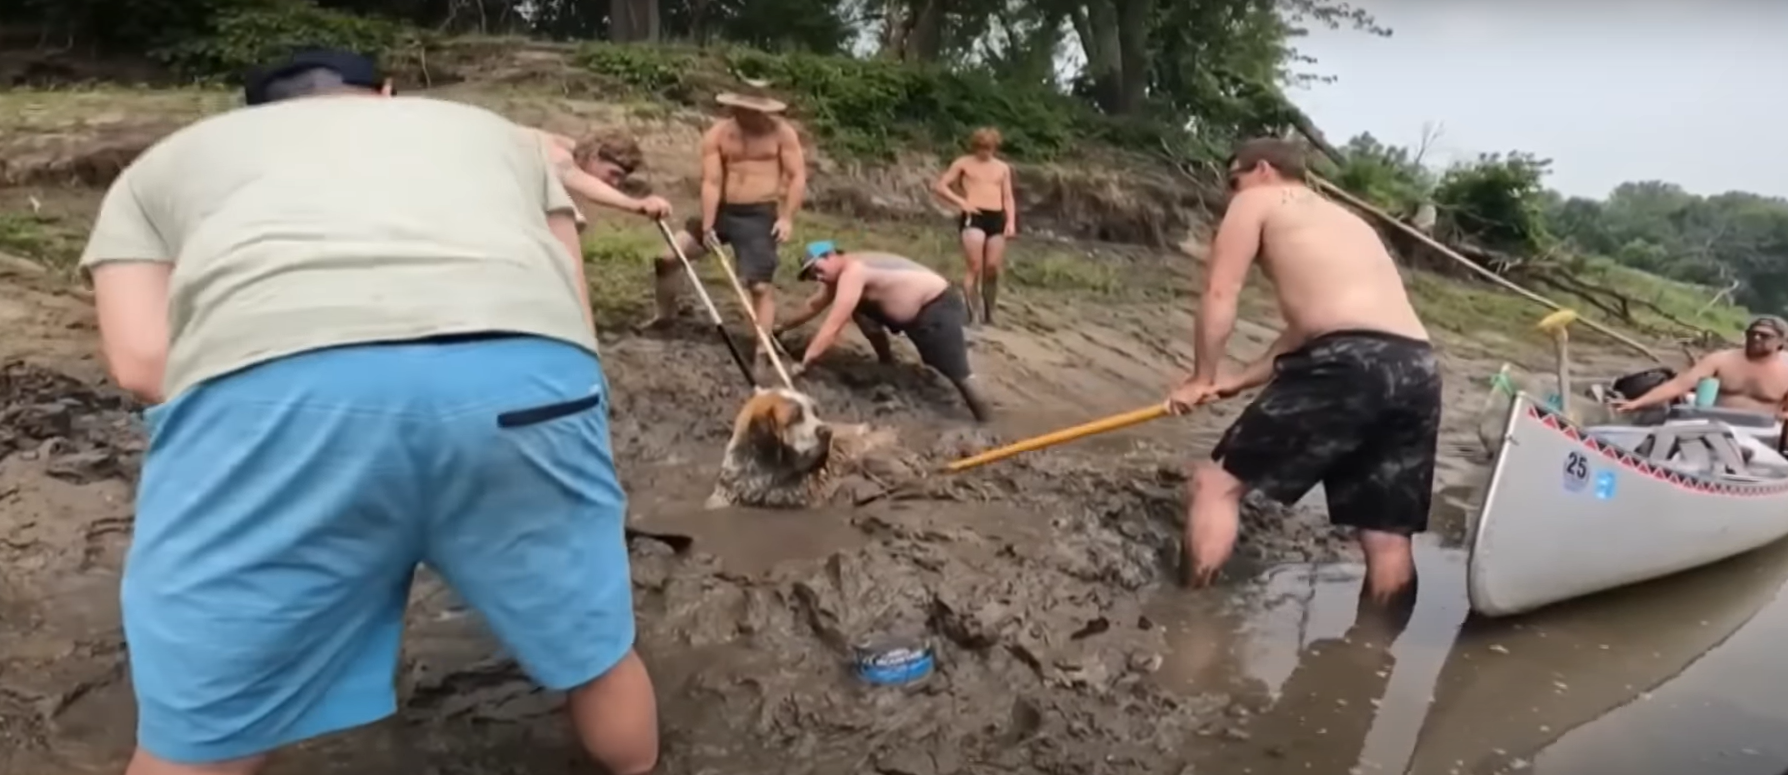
925,41
633,21
1133,18
1096,24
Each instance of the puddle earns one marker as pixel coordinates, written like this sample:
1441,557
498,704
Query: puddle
1679,675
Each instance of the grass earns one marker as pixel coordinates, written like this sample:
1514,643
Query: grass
50,241
619,251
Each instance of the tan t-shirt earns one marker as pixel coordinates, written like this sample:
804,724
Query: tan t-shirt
339,220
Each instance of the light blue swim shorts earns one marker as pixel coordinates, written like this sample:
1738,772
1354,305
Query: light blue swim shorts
284,508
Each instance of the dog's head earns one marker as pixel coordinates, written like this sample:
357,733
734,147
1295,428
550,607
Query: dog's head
779,443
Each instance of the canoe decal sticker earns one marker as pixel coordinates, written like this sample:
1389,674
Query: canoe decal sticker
1631,462
1576,471
1604,485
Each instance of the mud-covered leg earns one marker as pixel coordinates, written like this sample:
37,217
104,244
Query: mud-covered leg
1390,569
1213,519
971,395
877,336
995,263
974,248
664,292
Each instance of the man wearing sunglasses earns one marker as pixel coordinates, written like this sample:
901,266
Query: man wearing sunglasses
1753,378
596,168
1353,391
883,292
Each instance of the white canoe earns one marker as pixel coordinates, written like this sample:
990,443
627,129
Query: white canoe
1571,511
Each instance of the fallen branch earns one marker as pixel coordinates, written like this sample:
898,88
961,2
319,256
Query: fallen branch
1338,192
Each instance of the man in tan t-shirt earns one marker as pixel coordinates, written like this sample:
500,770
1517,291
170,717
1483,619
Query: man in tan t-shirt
364,328
988,215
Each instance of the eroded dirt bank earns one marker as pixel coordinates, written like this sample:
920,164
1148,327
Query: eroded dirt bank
1030,576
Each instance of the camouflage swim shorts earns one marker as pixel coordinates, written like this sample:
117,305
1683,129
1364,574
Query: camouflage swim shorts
1358,412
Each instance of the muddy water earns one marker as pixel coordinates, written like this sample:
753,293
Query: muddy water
1680,675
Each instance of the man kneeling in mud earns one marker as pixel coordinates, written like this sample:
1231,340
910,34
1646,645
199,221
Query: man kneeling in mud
1354,396
884,292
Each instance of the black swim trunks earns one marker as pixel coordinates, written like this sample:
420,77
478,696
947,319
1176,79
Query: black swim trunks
936,332
1358,412
989,222
750,230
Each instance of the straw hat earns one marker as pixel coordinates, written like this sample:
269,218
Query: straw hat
752,102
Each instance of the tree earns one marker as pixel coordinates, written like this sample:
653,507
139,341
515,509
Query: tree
633,21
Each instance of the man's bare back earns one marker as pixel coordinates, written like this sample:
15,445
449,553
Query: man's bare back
896,285
752,163
983,182
1329,268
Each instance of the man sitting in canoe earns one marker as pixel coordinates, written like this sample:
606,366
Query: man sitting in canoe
1354,396
1753,378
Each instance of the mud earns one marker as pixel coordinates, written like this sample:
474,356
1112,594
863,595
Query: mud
1032,577
1028,576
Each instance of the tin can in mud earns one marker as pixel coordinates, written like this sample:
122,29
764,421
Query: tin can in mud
893,661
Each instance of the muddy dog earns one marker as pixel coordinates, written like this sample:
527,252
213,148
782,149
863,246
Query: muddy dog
782,455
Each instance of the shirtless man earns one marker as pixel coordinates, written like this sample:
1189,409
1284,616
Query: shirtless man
1354,396
1753,378
754,177
988,214
883,292
595,168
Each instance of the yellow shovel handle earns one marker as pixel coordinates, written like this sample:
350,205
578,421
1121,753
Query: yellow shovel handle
1112,423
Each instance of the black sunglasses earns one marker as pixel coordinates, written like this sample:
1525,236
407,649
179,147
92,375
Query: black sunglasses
626,169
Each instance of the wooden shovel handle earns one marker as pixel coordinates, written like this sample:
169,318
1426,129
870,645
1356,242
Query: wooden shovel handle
1112,423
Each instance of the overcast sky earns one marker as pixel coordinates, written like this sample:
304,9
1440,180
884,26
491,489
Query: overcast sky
1611,90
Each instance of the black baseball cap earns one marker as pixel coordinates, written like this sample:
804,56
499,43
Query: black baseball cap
354,69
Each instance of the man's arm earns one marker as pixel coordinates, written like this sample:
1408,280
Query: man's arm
1678,386
815,304
130,265
1260,371
794,173
945,187
561,219
845,297
597,191
1232,252
713,175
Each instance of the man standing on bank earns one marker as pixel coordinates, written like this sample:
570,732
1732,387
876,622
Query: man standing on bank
989,215
363,326
1352,398
754,178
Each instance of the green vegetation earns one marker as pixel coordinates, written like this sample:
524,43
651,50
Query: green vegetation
619,250
1181,79
47,240
1603,256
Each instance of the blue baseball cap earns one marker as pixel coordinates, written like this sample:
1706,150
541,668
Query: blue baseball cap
815,252
354,69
